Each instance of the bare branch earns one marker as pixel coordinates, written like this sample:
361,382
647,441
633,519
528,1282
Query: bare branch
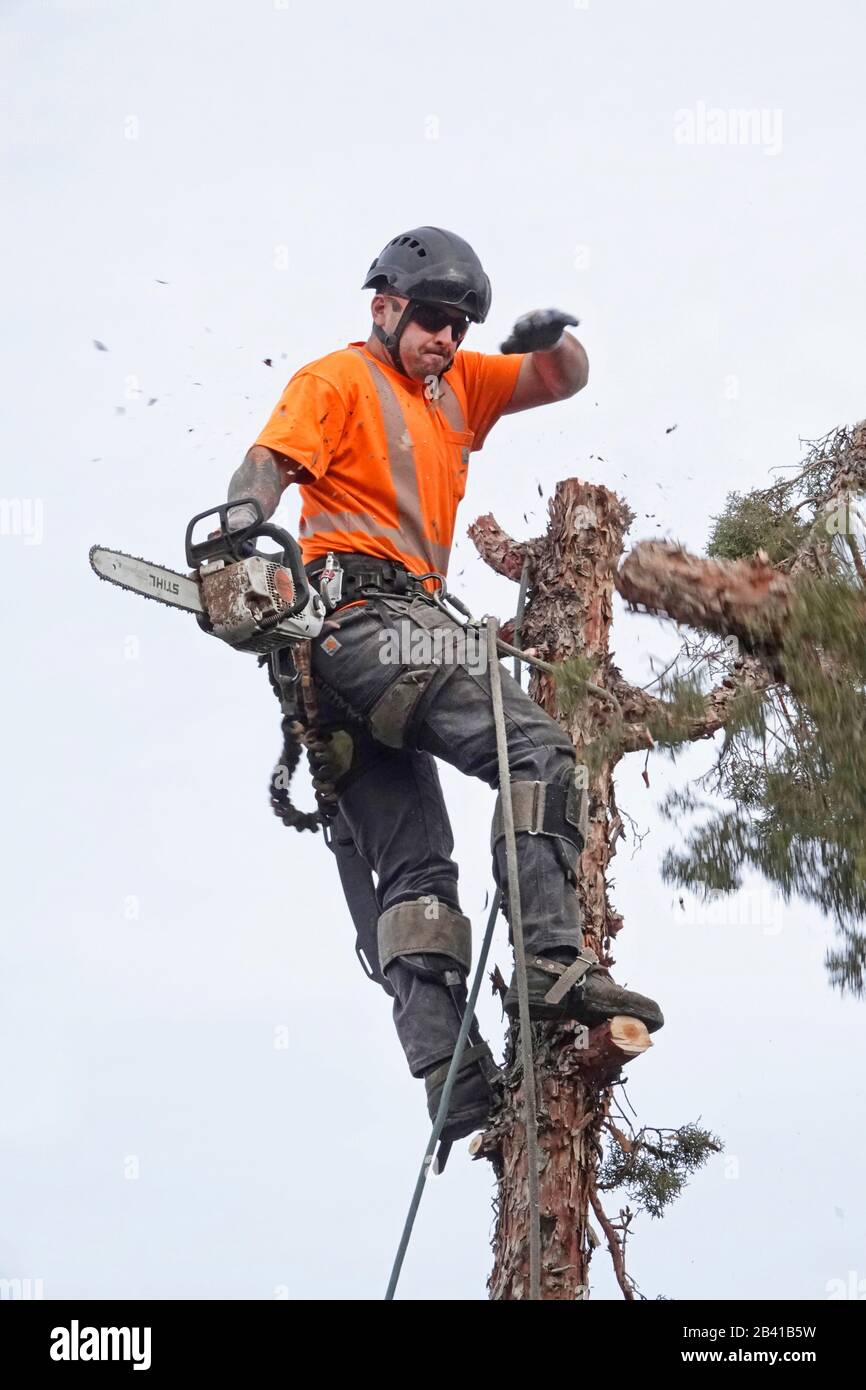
614,1245
497,548
640,708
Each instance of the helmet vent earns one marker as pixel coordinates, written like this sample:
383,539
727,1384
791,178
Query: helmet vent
412,242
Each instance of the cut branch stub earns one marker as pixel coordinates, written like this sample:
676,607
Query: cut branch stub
497,548
611,1046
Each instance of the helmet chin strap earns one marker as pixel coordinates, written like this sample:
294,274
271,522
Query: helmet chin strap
391,341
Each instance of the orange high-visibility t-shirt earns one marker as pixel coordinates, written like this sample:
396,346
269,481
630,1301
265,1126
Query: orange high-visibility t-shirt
389,465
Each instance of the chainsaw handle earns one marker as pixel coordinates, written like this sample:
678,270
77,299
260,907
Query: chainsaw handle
291,559
226,544
235,545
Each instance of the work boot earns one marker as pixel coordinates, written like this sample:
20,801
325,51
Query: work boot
577,987
475,1094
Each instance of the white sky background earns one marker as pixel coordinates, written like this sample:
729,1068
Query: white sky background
137,782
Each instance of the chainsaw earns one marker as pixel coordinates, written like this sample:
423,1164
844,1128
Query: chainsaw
253,601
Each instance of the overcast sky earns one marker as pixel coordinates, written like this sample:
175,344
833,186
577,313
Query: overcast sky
203,186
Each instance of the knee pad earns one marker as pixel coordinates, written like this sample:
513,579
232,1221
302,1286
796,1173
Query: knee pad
431,938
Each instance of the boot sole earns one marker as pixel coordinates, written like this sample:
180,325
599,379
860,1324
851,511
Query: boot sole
540,1012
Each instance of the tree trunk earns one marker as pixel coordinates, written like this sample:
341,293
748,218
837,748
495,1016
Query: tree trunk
568,614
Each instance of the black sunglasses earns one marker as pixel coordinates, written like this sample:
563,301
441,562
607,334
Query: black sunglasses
431,318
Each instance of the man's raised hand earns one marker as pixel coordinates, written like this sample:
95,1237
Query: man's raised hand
538,331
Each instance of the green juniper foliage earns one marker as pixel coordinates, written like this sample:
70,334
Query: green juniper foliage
793,759
571,677
756,522
655,1173
684,706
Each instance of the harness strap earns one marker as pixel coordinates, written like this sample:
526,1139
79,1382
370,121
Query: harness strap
369,574
569,975
541,808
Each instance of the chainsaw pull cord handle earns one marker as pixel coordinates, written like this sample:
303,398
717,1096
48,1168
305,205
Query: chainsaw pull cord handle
235,545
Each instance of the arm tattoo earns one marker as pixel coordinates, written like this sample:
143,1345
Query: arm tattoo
264,475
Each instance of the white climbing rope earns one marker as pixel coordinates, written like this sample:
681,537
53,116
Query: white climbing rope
516,921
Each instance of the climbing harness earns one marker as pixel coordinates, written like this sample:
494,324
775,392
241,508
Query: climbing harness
344,579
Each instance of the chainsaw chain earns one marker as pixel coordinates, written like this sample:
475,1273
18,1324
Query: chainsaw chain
140,593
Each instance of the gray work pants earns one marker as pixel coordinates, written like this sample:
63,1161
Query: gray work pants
391,808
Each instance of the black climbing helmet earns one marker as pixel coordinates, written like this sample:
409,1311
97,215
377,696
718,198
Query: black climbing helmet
431,266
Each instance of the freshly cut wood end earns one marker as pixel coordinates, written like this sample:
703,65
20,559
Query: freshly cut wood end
614,1042
629,1034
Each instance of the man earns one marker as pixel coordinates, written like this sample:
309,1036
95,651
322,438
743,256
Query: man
378,436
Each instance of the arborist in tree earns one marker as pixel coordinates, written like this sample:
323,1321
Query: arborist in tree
378,435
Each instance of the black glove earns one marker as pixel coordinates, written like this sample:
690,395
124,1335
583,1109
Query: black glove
538,331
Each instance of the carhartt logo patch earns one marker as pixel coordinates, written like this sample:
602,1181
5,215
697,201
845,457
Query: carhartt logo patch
330,645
